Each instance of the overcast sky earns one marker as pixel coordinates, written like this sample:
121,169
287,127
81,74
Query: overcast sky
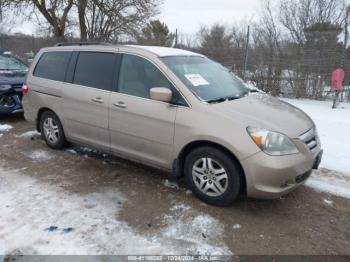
188,15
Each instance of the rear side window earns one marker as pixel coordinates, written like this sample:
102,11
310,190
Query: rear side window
95,69
52,65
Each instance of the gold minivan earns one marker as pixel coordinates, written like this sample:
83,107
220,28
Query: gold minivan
175,110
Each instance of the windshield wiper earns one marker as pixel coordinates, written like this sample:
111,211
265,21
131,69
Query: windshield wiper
223,99
8,69
230,98
216,100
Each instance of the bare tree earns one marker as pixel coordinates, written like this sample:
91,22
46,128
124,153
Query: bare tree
307,21
55,12
188,42
296,15
238,32
97,19
110,19
268,52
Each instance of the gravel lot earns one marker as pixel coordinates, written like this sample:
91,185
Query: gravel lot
130,202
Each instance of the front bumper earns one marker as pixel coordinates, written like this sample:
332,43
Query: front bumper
270,177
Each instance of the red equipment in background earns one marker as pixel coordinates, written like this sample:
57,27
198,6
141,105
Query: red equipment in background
338,76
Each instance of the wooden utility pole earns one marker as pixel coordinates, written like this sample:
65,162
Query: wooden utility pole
1,45
176,37
246,55
0,11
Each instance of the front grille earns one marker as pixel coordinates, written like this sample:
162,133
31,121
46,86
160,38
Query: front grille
310,139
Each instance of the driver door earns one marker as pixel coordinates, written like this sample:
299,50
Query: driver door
141,128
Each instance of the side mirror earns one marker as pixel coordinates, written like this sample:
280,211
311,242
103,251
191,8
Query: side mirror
162,94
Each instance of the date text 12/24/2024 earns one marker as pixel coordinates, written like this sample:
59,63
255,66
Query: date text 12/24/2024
174,258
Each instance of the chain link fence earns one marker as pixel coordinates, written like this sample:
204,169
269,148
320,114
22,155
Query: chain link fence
301,72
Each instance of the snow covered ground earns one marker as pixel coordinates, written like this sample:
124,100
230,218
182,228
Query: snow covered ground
333,126
330,182
5,127
28,134
28,207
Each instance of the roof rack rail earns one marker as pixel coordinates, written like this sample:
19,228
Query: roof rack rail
81,43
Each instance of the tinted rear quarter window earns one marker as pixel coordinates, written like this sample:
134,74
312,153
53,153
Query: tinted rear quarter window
52,65
95,69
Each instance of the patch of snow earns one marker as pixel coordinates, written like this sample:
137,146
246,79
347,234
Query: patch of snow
1,135
333,127
201,232
236,226
328,202
180,207
28,134
170,184
29,206
330,182
72,151
5,127
87,149
188,192
40,155
166,51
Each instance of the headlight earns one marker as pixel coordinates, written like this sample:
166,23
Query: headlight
5,87
272,143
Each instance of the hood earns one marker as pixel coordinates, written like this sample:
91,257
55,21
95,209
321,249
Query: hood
8,77
264,111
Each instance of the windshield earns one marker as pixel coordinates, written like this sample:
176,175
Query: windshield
11,63
207,79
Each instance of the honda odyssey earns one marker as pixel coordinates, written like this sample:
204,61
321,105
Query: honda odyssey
175,110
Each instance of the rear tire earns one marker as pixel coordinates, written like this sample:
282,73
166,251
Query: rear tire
213,176
52,130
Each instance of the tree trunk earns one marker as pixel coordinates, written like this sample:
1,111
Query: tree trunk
82,24
59,34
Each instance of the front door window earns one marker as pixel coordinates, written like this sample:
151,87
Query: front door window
137,76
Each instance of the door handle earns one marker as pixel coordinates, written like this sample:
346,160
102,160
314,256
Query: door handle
97,100
120,104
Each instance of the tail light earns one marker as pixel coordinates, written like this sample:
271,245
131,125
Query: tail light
25,90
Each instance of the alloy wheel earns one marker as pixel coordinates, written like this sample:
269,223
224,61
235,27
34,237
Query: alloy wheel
210,177
51,130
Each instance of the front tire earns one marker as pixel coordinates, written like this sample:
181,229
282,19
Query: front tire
52,130
213,176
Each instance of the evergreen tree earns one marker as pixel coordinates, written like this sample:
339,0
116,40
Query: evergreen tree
156,33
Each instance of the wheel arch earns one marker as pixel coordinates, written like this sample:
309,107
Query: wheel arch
40,112
179,163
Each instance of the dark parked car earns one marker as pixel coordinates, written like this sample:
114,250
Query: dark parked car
12,75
